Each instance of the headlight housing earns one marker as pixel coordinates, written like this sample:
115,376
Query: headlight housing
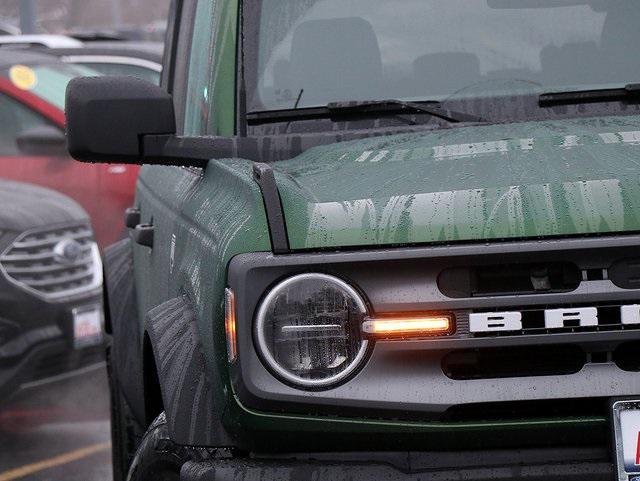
308,330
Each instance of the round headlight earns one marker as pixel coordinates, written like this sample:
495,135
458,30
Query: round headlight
308,330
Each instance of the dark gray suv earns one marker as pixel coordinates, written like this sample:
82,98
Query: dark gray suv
50,288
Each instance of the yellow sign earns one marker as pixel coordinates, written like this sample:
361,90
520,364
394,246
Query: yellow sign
23,77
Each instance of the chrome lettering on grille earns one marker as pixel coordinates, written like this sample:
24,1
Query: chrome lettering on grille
630,314
495,321
483,322
556,318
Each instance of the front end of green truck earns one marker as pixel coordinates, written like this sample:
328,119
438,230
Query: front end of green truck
381,240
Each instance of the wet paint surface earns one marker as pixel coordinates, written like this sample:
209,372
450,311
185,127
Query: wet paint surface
562,177
202,219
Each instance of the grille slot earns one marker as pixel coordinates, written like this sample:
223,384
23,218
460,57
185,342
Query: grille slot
513,362
33,262
626,356
509,279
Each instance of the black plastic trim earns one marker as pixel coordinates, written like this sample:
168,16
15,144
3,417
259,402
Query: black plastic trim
184,151
241,91
194,414
548,464
263,175
131,217
143,235
169,53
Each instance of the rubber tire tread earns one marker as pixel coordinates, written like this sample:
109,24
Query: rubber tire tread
158,458
126,432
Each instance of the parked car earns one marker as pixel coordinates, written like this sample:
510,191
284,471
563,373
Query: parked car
32,142
7,28
377,240
109,57
140,59
39,40
50,289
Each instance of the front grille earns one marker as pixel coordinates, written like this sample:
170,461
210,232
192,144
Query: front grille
54,263
521,361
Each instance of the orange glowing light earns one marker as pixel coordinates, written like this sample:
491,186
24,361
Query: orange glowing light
407,326
230,324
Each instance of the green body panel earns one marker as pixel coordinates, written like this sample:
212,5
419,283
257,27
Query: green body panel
201,220
519,180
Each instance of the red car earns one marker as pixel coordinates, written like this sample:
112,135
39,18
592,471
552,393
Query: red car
32,142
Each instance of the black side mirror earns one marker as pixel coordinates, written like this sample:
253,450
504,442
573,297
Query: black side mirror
107,118
42,141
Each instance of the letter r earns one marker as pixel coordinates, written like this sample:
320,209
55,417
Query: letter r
555,318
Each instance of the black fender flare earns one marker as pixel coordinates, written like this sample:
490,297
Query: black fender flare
194,416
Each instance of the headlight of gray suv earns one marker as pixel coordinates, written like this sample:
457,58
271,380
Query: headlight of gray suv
308,330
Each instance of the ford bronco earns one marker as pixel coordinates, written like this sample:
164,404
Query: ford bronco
377,239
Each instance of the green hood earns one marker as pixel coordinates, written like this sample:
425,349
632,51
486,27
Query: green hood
552,178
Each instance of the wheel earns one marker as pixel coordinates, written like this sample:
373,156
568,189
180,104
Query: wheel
158,458
126,433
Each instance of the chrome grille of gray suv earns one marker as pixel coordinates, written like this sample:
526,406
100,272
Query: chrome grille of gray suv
54,263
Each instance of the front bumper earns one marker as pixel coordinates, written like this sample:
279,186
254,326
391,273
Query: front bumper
584,464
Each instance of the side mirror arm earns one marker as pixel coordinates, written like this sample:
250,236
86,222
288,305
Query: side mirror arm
196,151
184,151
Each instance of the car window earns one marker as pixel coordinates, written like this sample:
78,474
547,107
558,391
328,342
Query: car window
124,69
331,50
15,119
48,81
210,98
197,100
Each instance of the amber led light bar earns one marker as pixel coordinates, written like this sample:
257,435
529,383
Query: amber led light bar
230,324
402,326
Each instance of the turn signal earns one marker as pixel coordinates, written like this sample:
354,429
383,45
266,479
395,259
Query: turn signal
408,325
230,324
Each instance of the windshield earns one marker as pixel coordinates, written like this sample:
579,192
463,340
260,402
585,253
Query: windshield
312,52
48,81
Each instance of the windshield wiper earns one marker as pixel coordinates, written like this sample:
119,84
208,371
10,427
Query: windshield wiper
397,107
630,92
359,109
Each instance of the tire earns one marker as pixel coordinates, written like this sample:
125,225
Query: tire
158,458
126,433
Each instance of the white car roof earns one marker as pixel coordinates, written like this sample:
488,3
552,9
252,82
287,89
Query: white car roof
49,41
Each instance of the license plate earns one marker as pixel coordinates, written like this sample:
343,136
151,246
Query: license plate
87,327
626,426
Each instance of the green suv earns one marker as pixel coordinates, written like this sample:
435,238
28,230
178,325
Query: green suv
377,239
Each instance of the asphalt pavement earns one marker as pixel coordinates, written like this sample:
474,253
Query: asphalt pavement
58,431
